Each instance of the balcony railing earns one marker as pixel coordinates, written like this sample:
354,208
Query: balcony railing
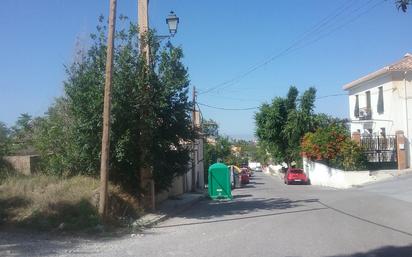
365,113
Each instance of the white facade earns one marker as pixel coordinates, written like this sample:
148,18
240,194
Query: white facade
395,82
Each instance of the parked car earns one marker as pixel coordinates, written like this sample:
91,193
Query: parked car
244,176
294,175
246,167
258,169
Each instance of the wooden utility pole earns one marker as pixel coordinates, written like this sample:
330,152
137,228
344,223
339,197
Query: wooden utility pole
104,164
146,172
194,140
143,24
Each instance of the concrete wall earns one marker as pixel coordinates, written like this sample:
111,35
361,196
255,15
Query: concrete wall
175,190
26,164
322,175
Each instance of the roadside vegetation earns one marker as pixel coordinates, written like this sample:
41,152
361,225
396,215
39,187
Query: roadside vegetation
229,151
288,128
333,145
68,136
52,203
281,124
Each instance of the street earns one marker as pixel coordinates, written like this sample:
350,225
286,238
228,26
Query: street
265,218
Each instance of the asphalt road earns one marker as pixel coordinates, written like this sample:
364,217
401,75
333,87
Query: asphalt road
266,218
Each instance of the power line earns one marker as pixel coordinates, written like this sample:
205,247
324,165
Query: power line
317,29
295,46
341,26
229,109
256,107
327,96
314,29
235,98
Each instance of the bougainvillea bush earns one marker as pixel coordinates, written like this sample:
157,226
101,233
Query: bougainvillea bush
332,145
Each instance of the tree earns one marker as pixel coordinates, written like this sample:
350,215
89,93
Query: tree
21,135
403,4
281,125
70,132
210,128
270,122
219,150
299,121
4,139
54,138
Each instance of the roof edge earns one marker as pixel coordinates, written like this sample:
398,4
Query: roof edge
368,77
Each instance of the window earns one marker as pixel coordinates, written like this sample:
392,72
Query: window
380,106
356,111
368,100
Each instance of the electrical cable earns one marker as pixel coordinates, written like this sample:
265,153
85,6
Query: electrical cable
256,107
229,109
295,45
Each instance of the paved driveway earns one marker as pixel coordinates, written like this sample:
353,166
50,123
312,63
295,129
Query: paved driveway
266,218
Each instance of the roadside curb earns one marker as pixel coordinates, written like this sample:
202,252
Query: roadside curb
151,219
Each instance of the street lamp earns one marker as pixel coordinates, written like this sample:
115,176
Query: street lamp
172,22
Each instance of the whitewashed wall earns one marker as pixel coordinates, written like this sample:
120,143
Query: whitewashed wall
322,175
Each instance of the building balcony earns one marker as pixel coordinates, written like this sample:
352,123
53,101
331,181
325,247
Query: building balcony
365,113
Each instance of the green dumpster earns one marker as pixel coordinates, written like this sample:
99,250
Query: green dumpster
219,182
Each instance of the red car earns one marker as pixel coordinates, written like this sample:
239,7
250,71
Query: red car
244,176
294,175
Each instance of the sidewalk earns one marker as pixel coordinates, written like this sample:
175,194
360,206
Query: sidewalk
169,208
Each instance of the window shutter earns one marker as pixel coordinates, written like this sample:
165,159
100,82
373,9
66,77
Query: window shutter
380,106
356,111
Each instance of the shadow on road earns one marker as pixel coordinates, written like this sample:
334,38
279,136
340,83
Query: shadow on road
242,196
207,210
25,243
240,218
387,251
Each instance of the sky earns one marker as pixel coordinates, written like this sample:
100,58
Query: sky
247,52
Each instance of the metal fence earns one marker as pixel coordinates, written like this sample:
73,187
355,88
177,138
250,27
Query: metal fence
380,151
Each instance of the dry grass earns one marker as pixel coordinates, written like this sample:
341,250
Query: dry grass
46,202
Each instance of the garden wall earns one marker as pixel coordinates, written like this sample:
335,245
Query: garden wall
323,175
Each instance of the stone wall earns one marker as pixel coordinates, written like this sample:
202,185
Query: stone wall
25,164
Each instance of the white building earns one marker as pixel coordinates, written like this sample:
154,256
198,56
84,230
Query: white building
380,103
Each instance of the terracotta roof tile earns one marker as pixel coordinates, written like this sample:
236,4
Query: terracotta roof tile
403,65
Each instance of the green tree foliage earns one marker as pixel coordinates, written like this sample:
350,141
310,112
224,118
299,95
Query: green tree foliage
152,98
21,135
210,128
4,139
55,139
281,125
403,4
5,145
215,150
270,122
333,145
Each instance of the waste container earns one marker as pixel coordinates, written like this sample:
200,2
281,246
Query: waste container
219,182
